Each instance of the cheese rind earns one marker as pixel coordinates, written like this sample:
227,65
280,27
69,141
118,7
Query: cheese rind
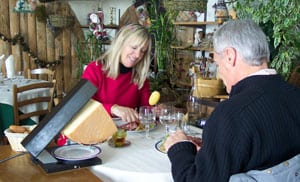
91,125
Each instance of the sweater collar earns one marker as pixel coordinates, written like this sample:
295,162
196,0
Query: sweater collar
255,83
124,69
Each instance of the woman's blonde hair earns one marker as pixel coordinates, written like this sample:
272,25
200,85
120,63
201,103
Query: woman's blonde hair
111,58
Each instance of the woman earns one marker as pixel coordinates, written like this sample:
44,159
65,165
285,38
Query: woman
121,73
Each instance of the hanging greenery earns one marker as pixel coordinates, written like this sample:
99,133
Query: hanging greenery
281,25
19,39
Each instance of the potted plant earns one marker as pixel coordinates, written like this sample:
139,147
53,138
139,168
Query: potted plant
161,28
281,25
87,51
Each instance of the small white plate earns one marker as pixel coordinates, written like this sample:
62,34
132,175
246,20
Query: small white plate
76,152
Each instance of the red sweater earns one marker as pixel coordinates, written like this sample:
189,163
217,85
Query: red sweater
120,91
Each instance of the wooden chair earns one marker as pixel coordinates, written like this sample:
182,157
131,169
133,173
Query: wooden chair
45,74
18,116
41,73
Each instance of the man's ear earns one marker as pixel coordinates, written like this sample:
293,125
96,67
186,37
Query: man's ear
230,55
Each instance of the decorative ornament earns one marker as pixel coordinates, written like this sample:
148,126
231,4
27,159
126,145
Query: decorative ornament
18,38
221,12
96,25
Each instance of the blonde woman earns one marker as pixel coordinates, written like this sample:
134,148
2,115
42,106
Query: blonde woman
121,73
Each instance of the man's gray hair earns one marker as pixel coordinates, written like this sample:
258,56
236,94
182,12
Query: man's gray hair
246,37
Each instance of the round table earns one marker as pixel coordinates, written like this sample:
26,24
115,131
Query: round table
140,161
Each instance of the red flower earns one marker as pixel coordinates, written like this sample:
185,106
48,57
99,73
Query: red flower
61,140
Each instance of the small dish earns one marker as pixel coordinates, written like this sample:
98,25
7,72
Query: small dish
153,126
76,152
159,146
136,129
112,144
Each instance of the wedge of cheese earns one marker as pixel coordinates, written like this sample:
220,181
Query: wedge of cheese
91,125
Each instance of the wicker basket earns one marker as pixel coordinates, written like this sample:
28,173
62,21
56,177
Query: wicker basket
61,21
185,5
15,139
208,88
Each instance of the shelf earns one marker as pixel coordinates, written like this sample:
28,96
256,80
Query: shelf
109,26
106,42
22,11
186,23
192,48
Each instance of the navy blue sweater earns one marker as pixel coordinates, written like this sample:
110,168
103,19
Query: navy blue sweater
258,127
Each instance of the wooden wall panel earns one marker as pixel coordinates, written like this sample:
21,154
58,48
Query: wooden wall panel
32,39
67,59
46,45
14,30
5,47
24,31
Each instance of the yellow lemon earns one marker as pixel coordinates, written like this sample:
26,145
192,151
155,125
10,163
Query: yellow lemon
154,98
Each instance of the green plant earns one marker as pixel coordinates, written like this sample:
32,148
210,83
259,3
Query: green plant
161,28
282,26
87,51
41,13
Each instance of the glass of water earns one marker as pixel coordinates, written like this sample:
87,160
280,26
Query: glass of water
166,118
146,117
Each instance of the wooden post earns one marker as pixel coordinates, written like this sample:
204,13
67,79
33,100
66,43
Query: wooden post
4,29
32,41
14,30
20,66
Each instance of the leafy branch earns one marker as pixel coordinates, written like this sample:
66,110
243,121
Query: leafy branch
281,25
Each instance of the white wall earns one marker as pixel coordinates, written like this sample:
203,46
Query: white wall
82,8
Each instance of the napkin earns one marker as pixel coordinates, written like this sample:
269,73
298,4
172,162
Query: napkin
10,66
1,61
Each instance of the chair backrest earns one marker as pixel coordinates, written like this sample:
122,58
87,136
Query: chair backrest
36,99
286,171
41,73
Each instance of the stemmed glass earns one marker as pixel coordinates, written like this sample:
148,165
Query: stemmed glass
194,114
176,121
165,117
146,116
19,76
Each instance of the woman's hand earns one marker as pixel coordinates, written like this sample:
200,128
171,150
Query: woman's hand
125,113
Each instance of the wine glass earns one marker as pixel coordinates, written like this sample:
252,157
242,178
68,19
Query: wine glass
19,75
176,121
146,116
194,114
165,117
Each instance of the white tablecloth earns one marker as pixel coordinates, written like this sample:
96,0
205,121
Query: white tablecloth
6,94
138,162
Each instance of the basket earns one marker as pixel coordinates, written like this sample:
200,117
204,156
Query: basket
208,88
185,5
61,21
15,139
